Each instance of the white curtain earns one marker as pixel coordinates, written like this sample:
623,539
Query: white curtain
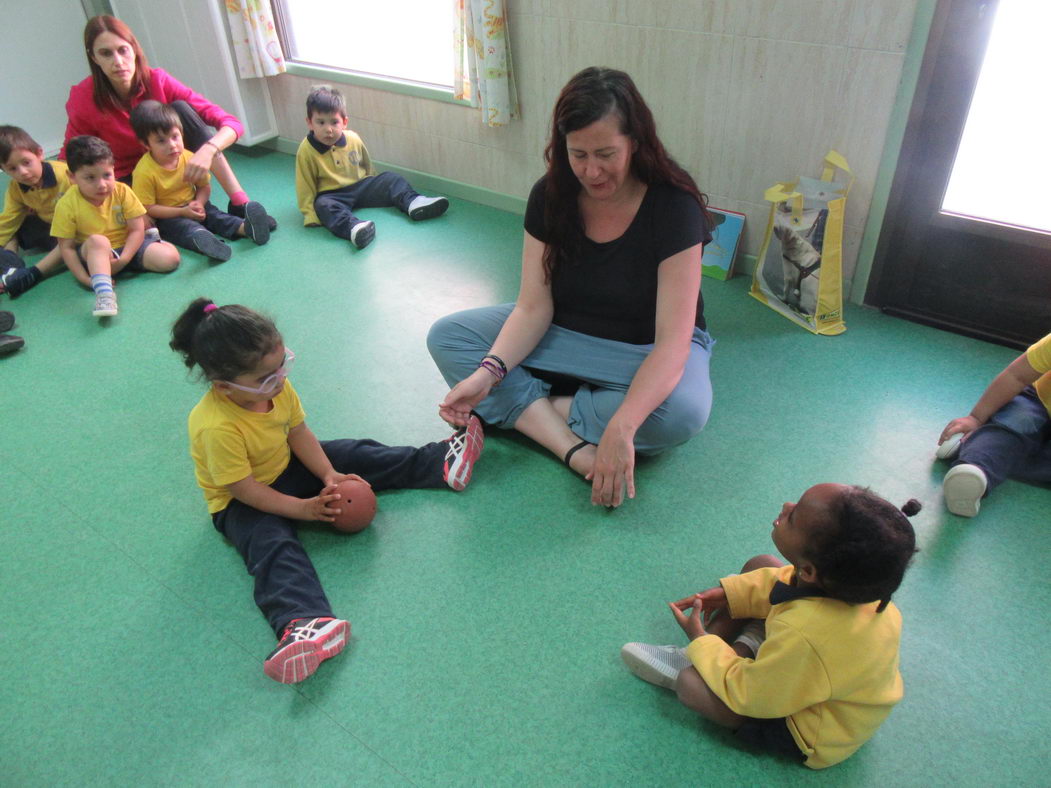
483,60
256,48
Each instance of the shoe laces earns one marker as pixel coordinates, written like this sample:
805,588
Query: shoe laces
304,631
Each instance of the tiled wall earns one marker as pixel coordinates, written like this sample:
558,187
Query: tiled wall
745,92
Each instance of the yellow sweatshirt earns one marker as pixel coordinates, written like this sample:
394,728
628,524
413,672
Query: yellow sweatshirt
322,168
830,667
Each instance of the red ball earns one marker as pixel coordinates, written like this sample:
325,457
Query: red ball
358,505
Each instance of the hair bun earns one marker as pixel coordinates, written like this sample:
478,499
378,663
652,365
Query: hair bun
911,507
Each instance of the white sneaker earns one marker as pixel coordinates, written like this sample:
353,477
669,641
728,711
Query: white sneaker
153,233
963,488
427,207
105,305
950,447
362,233
658,665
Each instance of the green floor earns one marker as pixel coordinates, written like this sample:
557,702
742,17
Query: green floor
486,625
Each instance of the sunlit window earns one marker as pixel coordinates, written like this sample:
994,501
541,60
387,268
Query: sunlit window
1003,164
409,40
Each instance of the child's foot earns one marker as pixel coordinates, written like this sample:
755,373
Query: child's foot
950,447
256,226
210,246
153,233
658,665
306,643
7,321
427,207
239,210
17,280
105,305
9,343
465,446
362,233
963,488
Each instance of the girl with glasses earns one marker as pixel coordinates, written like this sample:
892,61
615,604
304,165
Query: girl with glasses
262,470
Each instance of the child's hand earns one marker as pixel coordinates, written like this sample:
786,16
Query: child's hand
194,210
322,506
692,626
335,478
714,599
962,425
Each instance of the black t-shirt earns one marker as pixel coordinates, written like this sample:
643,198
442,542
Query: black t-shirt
611,291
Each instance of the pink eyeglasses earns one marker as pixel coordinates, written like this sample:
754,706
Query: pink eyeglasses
270,382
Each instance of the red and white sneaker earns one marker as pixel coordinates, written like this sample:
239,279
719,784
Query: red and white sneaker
465,446
306,643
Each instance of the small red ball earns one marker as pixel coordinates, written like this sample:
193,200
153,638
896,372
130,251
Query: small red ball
358,505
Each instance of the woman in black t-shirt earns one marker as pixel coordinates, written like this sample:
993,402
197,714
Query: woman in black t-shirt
609,304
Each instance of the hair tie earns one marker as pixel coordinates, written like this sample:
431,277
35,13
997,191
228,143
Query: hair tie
209,308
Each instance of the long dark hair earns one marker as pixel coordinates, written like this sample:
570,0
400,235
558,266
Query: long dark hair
104,94
224,341
862,550
590,96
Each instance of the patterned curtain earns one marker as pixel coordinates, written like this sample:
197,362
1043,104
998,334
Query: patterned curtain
483,73
256,48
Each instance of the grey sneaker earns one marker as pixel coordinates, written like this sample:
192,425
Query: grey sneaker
105,305
963,488
658,665
362,233
211,247
427,207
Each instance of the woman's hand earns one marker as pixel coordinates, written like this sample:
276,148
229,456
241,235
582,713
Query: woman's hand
456,408
322,506
200,164
613,474
713,600
963,425
691,625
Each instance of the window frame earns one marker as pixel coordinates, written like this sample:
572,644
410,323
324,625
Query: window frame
364,79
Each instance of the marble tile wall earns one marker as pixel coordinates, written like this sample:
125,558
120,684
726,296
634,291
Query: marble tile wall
745,92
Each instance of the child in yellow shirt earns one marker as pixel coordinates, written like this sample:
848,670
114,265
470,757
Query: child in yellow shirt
334,175
181,209
29,206
802,659
99,225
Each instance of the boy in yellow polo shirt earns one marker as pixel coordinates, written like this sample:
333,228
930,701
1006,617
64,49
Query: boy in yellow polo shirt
334,175
181,209
1006,434
29,206
99,225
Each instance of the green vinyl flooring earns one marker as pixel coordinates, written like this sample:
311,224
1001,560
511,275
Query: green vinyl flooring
486,624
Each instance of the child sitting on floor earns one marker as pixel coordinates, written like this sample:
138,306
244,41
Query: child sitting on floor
334,175
181,209
802,659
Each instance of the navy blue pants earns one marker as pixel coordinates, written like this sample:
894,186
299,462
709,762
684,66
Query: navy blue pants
35,233
286,584
1015,442
180,230
335,209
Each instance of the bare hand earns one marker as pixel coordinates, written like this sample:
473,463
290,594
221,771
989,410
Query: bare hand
334,478
322,506
613,474
456,408
194,210
692,625
714,599
962,425
199,165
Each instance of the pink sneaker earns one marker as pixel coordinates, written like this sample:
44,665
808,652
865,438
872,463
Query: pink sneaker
306,643
465,446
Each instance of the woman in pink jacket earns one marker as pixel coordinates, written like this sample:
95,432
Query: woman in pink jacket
120,79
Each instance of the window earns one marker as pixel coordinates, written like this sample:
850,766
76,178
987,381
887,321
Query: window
404,40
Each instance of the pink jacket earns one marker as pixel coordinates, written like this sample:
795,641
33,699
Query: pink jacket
113,125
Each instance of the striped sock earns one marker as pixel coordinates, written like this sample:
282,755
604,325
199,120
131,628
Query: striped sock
101,283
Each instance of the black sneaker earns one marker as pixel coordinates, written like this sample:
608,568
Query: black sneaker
17,280
207,244
7,321
427,207
362,234
9,344
239,210
306,643
256,226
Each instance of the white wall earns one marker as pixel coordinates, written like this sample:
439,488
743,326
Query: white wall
745,92
41,57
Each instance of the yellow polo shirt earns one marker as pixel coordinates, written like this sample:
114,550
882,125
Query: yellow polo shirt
155,185
77,218
22,201
1039,357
